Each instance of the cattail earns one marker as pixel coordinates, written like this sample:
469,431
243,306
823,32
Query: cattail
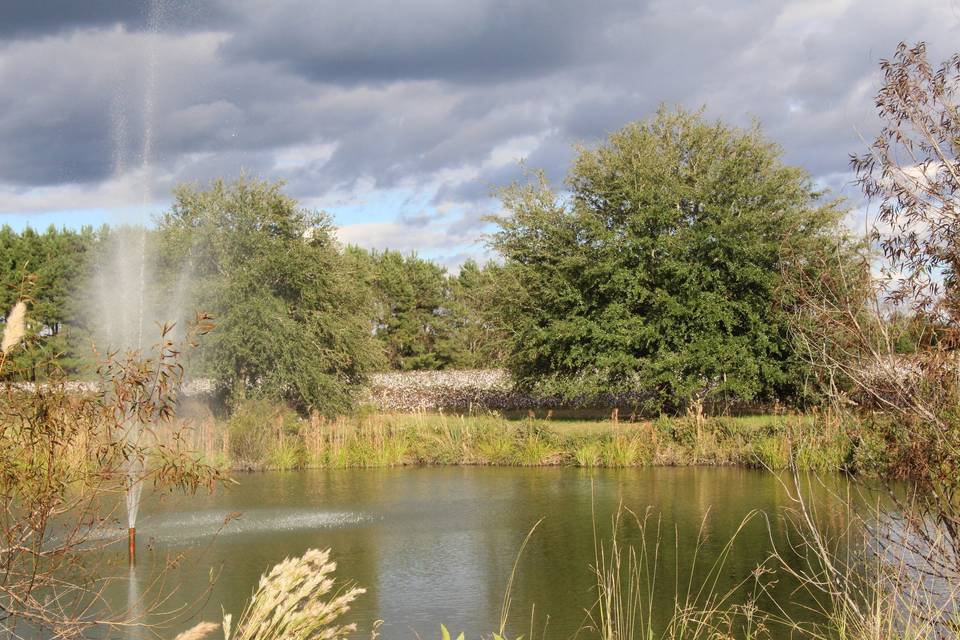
15,328
198,632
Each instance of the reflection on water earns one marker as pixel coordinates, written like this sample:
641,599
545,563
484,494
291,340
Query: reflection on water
436,545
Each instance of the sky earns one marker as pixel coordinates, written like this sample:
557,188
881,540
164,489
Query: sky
401,118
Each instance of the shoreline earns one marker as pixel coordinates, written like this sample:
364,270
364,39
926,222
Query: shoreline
271,438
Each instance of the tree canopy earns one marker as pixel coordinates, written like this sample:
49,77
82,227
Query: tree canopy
659,270
48,267
290,320
426,318
411,314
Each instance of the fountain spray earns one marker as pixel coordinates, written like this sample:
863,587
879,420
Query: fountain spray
135,466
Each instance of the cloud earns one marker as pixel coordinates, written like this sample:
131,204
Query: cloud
433,100
29,19
462,43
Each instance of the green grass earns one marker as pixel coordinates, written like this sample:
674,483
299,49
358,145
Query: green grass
272,439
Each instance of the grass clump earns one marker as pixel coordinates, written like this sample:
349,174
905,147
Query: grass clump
257,431
495,446
588,454
534,449
624,450
286,454
296,600
773,452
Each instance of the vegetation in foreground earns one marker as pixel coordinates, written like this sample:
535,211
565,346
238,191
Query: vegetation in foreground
66,462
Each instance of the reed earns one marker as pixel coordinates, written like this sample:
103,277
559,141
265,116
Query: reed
628,581
263,436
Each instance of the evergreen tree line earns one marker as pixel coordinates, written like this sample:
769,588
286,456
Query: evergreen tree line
661,268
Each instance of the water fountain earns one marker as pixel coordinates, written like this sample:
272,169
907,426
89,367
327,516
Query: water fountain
121,309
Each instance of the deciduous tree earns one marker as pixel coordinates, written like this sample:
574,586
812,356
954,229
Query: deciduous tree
659,270
291,318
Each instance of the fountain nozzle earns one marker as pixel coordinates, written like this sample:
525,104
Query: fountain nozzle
132,544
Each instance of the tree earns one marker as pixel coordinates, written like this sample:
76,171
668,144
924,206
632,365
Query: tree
660,272
55,262
912,170
291,320
66,456
412,317
475,308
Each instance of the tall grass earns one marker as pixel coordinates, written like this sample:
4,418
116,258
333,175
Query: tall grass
627,587
871,580
260,435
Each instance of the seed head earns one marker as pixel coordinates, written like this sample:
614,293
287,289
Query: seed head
15,327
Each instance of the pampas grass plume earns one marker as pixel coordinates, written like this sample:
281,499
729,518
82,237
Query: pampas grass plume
198,632
15,327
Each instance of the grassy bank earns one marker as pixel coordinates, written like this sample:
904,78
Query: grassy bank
264,436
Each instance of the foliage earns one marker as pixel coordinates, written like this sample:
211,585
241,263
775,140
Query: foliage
65,454
912,171
53,263
660,273
291,320
887,345
476,310
412,320
428,319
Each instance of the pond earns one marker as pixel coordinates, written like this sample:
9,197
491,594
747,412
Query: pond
437,545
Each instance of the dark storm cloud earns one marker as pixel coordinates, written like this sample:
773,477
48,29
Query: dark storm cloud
433,98
461,42
37,18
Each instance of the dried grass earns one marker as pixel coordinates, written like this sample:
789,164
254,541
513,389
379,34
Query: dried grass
198,632
15,328
296,600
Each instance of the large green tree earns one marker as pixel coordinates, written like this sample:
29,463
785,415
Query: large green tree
659,270
291,320
49,267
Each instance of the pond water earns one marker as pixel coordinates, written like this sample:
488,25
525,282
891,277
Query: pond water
435,545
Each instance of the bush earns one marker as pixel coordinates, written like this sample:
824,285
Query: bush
255,431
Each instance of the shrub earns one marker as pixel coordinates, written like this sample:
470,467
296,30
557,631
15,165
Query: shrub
533,449
254,428
588,454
